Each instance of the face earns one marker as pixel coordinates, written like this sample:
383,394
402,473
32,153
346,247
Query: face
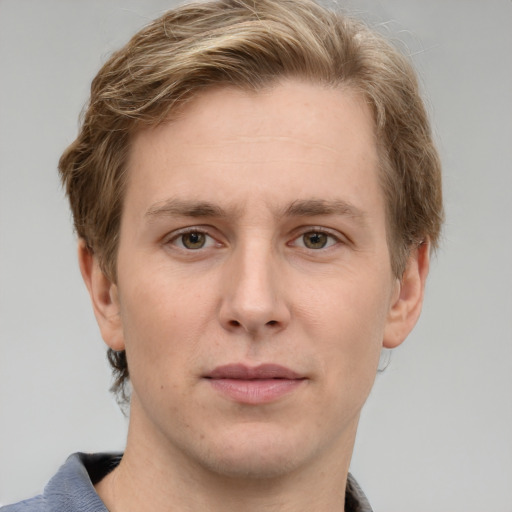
254,285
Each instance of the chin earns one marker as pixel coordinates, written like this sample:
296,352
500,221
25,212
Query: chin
256,455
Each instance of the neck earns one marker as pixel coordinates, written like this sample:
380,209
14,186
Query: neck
165,480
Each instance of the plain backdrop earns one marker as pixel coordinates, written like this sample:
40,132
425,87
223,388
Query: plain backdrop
436,433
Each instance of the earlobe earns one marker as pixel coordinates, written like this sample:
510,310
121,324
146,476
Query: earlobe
406,307
104,297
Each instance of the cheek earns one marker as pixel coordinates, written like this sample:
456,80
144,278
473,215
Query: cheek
346,324
162,323
351,310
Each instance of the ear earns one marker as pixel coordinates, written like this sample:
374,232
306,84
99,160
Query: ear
104,297
406,307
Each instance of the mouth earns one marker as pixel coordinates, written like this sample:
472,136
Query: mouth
254,385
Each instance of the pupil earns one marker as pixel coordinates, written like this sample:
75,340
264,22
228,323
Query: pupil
193,240
315,240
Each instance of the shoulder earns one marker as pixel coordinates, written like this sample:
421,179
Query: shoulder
355,499
72,488
34,504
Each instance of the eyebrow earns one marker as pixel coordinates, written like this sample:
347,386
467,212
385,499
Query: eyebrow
299,208
317,207
184,208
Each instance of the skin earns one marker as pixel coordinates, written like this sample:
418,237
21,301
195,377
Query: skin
295,270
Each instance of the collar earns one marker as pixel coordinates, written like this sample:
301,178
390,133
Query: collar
72,488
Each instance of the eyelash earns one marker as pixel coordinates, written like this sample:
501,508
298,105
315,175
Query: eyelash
177,237
316,230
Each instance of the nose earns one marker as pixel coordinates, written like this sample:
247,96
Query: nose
254,293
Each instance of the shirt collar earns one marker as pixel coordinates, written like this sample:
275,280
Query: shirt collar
73,485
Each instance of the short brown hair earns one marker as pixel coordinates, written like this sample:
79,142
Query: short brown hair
250,44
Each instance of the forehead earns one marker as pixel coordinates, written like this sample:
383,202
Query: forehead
307,110
293,141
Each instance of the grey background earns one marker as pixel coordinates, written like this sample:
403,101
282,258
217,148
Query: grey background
436,434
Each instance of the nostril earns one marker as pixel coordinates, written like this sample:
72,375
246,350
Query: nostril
272,322
234,323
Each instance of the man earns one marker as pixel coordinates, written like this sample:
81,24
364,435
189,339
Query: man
256,195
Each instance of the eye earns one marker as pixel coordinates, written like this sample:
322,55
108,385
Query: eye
315,240
193,240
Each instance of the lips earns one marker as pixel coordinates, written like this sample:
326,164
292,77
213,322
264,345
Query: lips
254,385
242,372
